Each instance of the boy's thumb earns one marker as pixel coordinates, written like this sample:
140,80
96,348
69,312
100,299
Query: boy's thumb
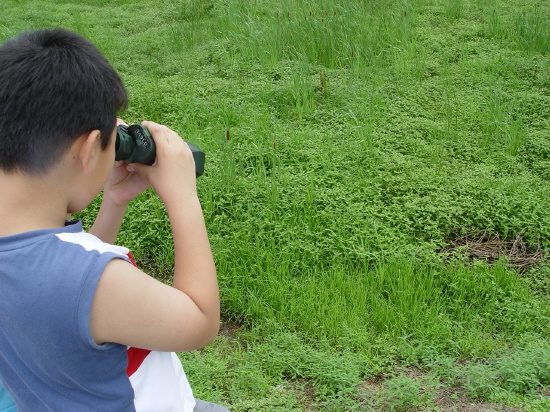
137,167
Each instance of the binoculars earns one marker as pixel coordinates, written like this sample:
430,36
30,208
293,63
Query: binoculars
134,144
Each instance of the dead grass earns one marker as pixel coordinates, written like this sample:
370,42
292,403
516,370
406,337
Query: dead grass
489,246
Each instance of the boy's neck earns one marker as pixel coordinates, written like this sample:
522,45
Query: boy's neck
30,203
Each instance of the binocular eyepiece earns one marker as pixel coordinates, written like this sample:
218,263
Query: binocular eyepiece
134,144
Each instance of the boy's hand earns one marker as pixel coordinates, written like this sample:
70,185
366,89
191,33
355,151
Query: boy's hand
173,173
123,185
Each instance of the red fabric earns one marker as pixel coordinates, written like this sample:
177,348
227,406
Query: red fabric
129,254
136,357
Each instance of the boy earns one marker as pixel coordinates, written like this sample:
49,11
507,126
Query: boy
70,304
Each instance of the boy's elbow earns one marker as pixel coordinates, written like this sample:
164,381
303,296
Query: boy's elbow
212,332
208,333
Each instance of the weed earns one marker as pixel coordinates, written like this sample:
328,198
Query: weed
404,393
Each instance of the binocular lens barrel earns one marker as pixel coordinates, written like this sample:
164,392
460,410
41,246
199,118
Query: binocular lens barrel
134,144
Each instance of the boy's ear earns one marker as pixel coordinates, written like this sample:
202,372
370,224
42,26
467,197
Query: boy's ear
88,148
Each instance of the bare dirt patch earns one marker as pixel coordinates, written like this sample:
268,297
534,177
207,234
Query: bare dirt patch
230,330
454,400
445,398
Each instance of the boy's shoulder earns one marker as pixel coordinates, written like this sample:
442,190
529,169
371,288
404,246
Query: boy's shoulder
90,242
71,234
50,263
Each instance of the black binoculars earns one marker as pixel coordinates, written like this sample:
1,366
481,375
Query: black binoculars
134,144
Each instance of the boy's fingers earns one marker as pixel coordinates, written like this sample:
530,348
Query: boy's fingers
155,129
152,126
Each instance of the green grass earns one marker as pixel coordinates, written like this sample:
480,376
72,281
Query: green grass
361,136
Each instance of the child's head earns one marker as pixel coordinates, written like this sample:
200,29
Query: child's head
54,86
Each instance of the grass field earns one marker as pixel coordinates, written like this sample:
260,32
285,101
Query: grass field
351,145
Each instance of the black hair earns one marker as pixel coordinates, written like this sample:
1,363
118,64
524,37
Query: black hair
54,86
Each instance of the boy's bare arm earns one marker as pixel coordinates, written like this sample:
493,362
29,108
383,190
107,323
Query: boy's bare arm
108,220
134,309
121,187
